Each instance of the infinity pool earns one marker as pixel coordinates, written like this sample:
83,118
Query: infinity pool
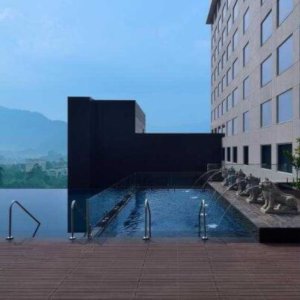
175,213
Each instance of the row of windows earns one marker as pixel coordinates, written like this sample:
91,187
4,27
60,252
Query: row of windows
283,164
284,9
222,18
284,62
284,55
229,22
284,113
232,45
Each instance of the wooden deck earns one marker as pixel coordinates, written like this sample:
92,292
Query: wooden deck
177,269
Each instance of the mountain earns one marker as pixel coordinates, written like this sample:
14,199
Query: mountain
30,134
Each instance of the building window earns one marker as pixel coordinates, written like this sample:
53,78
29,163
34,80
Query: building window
234,126
223,107
229,23
246,88
229,76
266,28
246,155
283,164
223,36
229,128
235,10
219,46
235,154
228,154
246,20
224,12
224,81
235,40
235,97
246,121
266,71
284,8
229,102
266,114
266,156
246,54
223,60
235,68
229,50
285,107
285,55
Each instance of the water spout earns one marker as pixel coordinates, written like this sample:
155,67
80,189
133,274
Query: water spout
210,177
206,173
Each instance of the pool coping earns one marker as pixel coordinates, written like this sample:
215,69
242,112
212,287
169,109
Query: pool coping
271,228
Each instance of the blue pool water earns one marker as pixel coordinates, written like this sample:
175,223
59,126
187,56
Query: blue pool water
175,213
48,206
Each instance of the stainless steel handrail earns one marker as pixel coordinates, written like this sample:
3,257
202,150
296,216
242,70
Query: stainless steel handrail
202,212
147,235
73,205
10,237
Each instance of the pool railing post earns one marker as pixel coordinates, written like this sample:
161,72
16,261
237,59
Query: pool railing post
72,237
147,233
10,237
202,212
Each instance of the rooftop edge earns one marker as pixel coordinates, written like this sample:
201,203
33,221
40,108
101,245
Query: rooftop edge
212,9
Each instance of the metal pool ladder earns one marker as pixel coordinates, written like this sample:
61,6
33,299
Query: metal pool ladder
147,235
202,213
72,237
10,237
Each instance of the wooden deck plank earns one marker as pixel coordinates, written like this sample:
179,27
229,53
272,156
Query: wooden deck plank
155,270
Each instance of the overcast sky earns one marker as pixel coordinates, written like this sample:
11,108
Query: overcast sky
156,52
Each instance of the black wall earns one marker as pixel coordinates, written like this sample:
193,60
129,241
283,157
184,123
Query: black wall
106,144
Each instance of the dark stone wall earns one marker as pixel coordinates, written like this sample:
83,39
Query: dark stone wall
106,144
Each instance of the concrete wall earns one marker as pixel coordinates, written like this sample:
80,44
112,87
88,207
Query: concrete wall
275,134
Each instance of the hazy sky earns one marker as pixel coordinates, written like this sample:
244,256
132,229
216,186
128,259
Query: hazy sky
155,52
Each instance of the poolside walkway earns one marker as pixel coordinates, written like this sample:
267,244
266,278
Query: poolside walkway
182,269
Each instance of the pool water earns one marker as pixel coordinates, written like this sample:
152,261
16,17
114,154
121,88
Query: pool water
175,213
48,206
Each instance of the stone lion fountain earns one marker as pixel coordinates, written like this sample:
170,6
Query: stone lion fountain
277,202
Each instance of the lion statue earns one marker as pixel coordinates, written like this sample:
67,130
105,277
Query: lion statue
253,189
277,202
241,182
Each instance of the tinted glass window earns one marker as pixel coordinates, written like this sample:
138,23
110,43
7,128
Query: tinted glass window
235,154
285,107
246,20
246,155
266,71
285,55
228,154
284,8
246,88
266,156
246,54
266,114
266,28
246,124
284,164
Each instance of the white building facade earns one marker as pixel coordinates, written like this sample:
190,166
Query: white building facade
255,83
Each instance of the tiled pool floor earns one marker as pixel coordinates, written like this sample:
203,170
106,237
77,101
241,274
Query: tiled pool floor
180,269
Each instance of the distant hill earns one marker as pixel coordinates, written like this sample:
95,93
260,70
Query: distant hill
26,134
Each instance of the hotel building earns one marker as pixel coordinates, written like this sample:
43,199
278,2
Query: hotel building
255,75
